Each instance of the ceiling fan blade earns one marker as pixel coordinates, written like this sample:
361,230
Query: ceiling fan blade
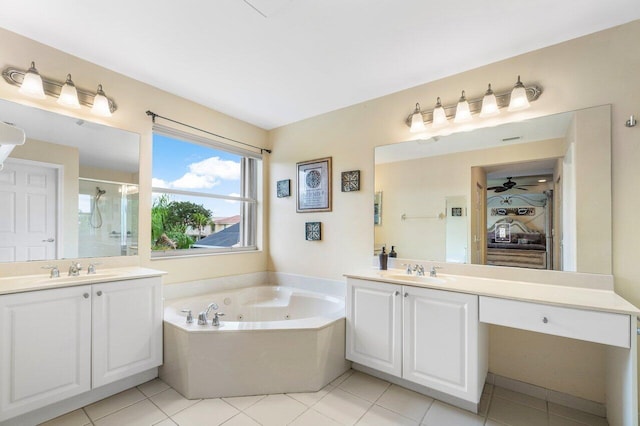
524,189
501,189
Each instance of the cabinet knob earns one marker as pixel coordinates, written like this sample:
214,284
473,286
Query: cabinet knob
86,295
99,292
397,293
406,294
545,320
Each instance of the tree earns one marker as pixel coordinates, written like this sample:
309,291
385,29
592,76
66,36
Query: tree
184,213
200,221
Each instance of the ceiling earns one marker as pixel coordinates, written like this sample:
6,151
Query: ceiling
274,62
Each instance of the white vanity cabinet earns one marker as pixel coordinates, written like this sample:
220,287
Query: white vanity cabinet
55,344
425,336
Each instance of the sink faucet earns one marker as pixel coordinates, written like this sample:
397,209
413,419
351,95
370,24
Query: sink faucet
74,269
419,270
433,272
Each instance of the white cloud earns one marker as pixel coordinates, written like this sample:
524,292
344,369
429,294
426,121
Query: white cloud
204,174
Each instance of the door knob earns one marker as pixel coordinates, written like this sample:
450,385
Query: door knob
48,240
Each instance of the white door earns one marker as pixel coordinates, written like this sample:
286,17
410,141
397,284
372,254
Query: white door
374,325
127,328
28,196
45,348
441,341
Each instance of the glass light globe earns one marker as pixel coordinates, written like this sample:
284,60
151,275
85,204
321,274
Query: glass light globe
32,83
69,95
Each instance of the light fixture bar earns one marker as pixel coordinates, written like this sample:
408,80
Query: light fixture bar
52,88
475,105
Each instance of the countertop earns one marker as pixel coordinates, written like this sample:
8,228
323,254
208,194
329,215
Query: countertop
22,283
551,294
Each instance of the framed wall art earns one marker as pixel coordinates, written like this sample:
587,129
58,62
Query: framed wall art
350,181
313,186
283,188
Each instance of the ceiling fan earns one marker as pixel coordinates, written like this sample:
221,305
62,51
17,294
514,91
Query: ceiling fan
509,184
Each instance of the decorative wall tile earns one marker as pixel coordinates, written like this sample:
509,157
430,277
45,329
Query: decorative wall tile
283,188
313,231
351,181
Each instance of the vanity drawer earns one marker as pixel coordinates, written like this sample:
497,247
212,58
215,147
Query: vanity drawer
592,326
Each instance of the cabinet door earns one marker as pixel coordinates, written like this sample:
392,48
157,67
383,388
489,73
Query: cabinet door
441,341
127,328
374,325
45,348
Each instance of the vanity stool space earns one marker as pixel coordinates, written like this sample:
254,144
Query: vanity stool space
430,334
69,341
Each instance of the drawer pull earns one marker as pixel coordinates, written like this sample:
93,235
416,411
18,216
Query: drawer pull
545,320
85,295
396,293
406,295
99,293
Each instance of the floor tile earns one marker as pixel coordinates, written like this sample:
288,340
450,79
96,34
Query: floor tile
74,418
243,402
210,412
364,386
441,414
378,416
311,398
520,398
312,418
166,422
488,388
579,416
485,399
171,401
405,402
515,414
142,413
275,410
113,403
241,419
153,387
562,421
342,378
343,407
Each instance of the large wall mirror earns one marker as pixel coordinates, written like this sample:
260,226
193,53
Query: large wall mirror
71,191
532,194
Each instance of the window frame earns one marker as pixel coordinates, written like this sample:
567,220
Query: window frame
250,182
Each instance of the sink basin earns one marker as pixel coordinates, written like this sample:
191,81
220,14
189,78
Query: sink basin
416,278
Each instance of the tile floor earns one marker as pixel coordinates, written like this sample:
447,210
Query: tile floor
352,399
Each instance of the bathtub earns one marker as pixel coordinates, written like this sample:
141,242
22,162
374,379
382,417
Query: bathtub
271,339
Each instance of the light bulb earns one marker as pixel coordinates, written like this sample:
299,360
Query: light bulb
518,99
32,83
69,95
463,113
417,122
489,104
101,103
439,116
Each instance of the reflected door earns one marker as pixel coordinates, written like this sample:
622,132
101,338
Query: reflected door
28,198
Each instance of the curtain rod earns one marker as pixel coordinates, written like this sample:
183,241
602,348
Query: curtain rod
153,116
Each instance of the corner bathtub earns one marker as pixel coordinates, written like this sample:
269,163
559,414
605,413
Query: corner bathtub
270,340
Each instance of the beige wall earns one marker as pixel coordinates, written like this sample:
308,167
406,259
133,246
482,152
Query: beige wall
594,70
133,99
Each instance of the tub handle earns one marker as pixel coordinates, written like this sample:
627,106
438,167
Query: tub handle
216,321
189,316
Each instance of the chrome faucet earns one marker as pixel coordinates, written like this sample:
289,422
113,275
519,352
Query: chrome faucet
91,269
419,270
216,321
433,272
55,272
74,269
409,270
202,316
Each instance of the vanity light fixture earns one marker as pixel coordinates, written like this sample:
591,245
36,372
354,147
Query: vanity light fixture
463,112
417,124
516,99
67,94
489,104
32,83
439,116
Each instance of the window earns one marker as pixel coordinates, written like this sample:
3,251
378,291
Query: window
205,195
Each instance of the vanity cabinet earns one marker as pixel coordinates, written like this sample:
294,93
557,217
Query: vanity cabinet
55,344
428,337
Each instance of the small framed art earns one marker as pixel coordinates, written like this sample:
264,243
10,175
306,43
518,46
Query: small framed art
283,188
312,231
350,181
313,186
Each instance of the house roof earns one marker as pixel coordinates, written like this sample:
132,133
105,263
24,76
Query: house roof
227,220
228,237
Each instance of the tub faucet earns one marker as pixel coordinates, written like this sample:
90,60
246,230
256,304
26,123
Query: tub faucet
202,316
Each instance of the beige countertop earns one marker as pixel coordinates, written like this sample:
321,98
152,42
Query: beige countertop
552,294
21,283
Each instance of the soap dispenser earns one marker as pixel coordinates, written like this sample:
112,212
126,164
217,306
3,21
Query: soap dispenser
384,257
393,253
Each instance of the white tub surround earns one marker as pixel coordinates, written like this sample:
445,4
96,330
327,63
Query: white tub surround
63,346
272,339
449,312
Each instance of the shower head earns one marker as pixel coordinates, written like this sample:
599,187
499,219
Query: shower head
100,191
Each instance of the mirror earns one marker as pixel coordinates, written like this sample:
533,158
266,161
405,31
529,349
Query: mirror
70,191
506,195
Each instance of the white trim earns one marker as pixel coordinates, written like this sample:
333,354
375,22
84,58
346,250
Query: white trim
200,194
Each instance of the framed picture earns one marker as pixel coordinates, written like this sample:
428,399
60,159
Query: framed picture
312,231
283,188
377,208
350,181
314,186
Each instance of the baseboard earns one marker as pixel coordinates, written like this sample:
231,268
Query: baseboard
549,395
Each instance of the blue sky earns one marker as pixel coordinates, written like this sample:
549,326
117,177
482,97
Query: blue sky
191,167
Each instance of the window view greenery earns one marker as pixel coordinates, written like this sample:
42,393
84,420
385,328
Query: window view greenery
204,196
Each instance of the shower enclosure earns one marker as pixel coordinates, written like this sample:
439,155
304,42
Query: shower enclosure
108,224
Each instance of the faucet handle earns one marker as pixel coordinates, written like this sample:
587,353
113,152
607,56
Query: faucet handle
189,316
91,269
409,270
215,322
433,270
55,272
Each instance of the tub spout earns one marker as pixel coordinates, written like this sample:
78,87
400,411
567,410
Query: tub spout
202,316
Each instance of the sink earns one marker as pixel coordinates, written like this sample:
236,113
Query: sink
416,278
